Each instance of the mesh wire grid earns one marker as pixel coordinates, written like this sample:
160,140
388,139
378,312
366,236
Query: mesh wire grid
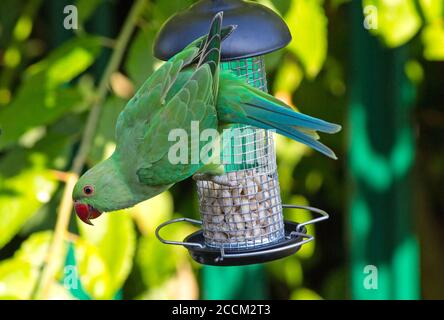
243,209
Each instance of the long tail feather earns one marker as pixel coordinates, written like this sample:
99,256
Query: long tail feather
264,108
238,102
295,135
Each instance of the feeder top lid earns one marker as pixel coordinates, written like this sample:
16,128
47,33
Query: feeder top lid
259,29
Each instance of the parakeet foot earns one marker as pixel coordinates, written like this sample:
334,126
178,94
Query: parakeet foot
222,180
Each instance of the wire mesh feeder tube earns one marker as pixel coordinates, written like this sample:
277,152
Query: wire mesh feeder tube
243,208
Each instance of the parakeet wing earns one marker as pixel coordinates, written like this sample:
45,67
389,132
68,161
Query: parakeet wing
177,94
150,98
194,102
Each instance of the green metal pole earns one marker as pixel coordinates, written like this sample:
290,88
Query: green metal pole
384,254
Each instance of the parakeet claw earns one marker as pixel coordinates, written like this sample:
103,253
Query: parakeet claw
222,180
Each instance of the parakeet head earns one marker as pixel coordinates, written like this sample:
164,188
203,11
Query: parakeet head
106,188
100,189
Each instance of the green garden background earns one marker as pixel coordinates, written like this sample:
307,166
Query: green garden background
374,66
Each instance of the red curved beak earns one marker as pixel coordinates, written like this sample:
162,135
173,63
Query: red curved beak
86,212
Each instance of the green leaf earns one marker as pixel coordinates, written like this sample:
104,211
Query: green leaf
35,252
159,262
150,213
104,140
17,279
433,10
18,275
397,21
297,215
34,106
35,249
73,57
86,8
25,185
42,98
165,9
308,25
288,78
140,61
94,274
305,294
433,38
288,271
113,236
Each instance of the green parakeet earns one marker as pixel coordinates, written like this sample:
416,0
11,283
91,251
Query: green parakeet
190,87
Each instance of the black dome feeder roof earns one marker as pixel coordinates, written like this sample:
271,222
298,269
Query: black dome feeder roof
259,29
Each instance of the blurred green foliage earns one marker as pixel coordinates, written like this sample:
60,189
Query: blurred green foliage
43,94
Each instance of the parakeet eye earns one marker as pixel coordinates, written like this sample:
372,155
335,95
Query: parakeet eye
88,190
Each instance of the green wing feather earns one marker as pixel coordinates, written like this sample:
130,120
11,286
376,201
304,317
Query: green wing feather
193,100
192,103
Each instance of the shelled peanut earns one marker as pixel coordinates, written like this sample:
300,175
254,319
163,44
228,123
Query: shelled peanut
246,207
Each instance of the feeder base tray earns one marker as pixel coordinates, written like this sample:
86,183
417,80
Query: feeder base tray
237,257
295,236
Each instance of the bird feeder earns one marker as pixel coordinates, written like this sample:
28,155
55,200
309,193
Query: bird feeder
241,212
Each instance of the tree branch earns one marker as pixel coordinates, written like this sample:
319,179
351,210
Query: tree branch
64,213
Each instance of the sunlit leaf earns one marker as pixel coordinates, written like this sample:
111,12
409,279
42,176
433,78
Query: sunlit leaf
41,98
414,71
17,279
94,275
159,262
298,215
305,294
289,154
288,77
72,57
308,25
149,214
18,275
182,286
397,20
114,237
35,250
59,292
25,185
288,271
433,10
313,182
433,39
